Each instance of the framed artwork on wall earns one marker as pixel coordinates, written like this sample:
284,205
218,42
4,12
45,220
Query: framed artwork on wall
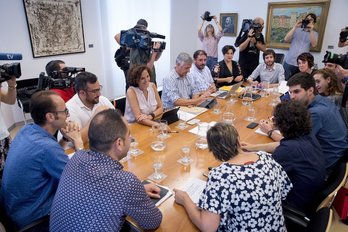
229,23
282,16
55,27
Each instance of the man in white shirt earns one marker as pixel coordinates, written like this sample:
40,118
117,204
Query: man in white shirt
201,73
268,71
87,101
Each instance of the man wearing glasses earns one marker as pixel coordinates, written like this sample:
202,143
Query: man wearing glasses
87,101
302,37
36,161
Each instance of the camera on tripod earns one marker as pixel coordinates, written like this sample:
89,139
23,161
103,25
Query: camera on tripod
60,79
135,38
11,69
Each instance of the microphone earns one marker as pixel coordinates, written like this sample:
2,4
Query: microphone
10,56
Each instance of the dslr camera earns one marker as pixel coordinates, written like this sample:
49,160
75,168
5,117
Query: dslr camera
250,24
60,79
11,69
305,23
135,38
206,16
344,35
339,59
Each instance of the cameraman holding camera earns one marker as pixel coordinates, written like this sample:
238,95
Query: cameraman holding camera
8,97
343,40
250,45
302,37
143,56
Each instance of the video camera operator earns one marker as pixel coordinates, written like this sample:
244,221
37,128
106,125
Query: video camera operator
139,55
302,37
53,67
343,40
7,96
250,44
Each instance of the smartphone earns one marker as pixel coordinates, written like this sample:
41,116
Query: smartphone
252,125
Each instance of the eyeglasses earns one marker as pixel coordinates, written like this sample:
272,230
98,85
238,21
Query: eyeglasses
95,91
66,111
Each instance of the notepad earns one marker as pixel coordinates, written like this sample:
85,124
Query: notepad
165,193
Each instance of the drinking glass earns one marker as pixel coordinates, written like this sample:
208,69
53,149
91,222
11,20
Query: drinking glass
251,114
217,109
134,150
201,141
185,155
163,129
264,88
275,96
157,166
228,117
247,97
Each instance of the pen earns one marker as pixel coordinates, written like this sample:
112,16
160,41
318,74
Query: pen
205,175
173,131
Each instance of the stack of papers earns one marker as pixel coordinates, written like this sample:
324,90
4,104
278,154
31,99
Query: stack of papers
194,188
202,132
188,113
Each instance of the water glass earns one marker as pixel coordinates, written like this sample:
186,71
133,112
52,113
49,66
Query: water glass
163,129
133,150
251,114
217,109
185,155
247,97
201,141
228,117
264,88
158,169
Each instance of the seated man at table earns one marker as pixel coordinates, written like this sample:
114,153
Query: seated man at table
179,88
327,123
94,193
269,71
36,161
299,153
87,101
201,73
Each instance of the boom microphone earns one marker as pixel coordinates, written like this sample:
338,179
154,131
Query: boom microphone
10,56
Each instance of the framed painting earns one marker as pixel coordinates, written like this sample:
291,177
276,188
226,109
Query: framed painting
229,23
282,16
55,27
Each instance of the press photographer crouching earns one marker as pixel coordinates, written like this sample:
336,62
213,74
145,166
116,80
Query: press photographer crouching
8,73
143,50
250,42
59,79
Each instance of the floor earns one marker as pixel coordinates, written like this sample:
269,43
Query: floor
336,226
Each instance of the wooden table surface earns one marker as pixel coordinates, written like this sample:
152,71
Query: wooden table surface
174,215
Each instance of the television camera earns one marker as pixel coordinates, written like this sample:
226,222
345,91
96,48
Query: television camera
61,79
248,24
137,38
344,35
339,59
206,16
11,69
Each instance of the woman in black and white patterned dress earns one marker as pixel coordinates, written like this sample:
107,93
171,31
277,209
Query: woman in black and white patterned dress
244,193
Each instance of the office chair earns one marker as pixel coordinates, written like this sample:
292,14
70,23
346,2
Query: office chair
120,104
324,198
279,58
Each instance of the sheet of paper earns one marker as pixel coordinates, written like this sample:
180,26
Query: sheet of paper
193,110
202,132
185,116
194,188
283,88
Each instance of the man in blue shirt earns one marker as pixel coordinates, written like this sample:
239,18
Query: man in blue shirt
94,193
36,160
179,88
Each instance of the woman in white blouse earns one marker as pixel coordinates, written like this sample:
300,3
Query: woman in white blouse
143,103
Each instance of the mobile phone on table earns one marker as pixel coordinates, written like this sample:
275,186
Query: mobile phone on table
252,125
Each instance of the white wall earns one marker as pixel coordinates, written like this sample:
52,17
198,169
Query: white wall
177,19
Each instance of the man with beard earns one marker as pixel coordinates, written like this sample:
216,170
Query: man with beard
268,71
87,101
201,73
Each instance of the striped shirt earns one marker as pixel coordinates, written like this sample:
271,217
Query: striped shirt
202,78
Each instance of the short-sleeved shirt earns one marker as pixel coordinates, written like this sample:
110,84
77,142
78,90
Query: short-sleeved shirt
300,43
272,75
247,197
201,77
95,194
225,72
146,106
33,168
80,113
210,44
66,93
175,87
329,129
304,162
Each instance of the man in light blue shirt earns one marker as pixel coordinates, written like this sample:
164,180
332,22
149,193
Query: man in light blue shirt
179,88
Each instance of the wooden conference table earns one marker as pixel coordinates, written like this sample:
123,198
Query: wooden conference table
174,215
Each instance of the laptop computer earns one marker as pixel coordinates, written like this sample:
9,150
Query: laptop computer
171,115
234,88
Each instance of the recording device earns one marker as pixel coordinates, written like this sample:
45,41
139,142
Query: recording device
12,69
339,59
248,24
137,38
305,23
62,79
344,35
206,16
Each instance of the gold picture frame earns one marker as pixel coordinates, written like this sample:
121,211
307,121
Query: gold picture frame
229,23
282,16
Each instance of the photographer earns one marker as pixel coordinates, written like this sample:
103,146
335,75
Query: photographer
143,56
343,40
8,97
250,45
302,37
56,66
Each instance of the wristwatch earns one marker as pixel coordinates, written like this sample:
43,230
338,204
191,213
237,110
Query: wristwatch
153,116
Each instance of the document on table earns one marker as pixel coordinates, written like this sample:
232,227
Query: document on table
202,132
194,188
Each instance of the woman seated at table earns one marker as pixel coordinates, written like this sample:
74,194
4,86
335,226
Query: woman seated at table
328,84
305,62
244,193
227,72
143,103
